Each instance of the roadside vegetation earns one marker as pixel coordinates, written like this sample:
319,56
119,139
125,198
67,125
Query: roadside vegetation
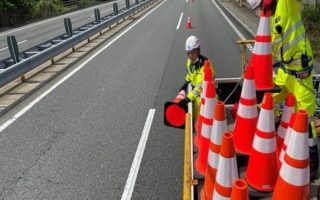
16,12
311,17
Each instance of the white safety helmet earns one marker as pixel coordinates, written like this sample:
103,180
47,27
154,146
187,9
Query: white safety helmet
192,43
254,3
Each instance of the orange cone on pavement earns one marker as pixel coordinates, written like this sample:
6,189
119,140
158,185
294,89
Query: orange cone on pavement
294,176
262,170
286,140
189,25
287,112
239,190
219,127
207,121
227,168
206,78
247,114
261,58
175,115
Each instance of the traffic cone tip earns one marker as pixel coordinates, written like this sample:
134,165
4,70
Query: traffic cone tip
220,111
290,101
301,121
227,147
267,102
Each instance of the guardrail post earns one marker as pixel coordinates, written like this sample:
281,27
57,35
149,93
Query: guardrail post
97,15
14,51
13,48
115,8
68,26
128,4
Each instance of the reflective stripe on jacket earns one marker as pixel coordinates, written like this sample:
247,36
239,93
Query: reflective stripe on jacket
195,76
293,39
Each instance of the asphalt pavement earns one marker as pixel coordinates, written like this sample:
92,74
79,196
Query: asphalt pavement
79,140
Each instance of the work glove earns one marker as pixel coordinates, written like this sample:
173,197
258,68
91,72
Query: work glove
183,103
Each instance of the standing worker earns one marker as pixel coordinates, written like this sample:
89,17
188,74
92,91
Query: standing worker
294,60
195,74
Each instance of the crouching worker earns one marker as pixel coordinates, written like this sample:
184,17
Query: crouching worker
195,74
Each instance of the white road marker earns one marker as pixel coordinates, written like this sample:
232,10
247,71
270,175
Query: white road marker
131,180
34,102
23,41
232,25
179,22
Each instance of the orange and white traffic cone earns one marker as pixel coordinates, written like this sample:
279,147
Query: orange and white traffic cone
208,76
261,58
247,114
189,25
227,168
219,127
286,115
180,96
262,170
174,115
207,120
294,176
239,190
286,140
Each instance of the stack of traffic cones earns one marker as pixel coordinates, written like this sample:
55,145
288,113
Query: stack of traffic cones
174,115
294,176
247,114
286,115
189,25
262,170
207,120
206,78
240,190
218,129
227,168
286,140
261,57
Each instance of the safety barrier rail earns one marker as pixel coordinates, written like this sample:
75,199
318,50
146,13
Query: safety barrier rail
22,62
188,177
187,180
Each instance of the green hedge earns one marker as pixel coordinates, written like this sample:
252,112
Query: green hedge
311,18
17,12
311,15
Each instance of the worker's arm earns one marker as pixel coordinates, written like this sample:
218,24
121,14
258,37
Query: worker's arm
193,94
185,86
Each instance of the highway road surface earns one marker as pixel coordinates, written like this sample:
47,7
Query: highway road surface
96,132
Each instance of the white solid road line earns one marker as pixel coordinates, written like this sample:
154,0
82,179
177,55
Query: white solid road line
179,22
232,25
128,189
23,41
34,102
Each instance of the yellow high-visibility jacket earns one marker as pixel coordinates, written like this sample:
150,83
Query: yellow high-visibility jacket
292,37
195,76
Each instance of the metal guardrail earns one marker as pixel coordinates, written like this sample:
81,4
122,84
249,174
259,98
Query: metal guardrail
35,56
